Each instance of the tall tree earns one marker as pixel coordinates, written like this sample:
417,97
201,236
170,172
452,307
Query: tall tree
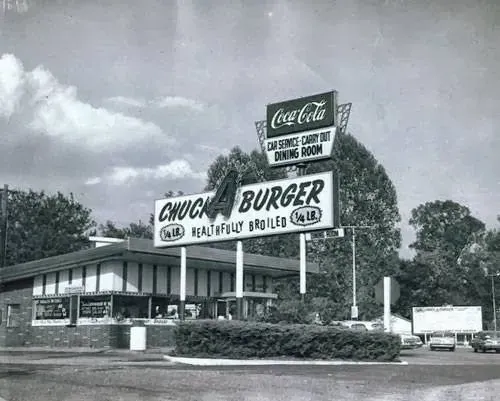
133,230
480,260
443,229
368,198
42,225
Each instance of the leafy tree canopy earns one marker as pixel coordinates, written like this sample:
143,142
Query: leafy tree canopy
41,225
368,198
436,277
133,230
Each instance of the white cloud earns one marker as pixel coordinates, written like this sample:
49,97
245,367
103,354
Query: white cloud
127,101
55,110
178,101
174,170
214,149
11,84
93,181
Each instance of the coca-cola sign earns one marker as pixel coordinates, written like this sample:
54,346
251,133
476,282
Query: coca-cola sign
301,114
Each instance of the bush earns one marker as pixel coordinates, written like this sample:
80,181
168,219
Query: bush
288,311
237,339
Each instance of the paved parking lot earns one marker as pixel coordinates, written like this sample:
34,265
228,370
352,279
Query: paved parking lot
442,376
461,356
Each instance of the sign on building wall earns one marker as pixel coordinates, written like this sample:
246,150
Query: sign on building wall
298,204
457,319
51,309
301,130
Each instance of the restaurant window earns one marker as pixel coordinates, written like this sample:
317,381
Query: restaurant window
51,308
192,311
159,307
130,307
95,307
13,315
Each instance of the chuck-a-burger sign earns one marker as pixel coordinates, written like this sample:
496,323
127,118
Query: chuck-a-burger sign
305,203
301,130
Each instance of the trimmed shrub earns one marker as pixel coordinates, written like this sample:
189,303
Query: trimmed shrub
237,339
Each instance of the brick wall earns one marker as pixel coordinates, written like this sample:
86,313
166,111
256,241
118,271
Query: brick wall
18,292
92,336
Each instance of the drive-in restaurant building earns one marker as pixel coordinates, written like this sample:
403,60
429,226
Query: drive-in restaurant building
91,298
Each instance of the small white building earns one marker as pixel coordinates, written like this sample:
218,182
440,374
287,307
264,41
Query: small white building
399,324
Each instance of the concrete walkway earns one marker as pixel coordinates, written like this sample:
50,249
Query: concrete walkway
269,362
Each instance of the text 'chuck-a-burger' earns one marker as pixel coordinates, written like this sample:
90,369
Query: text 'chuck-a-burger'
273,198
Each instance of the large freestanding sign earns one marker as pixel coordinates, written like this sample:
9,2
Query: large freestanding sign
305,203
457,319
301,130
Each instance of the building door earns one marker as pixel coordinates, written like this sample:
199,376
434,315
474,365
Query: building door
221,308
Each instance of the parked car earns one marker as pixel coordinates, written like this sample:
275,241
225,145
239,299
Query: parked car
442,340
486,341
409,341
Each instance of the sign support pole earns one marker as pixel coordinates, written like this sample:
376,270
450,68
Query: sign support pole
387,304
239,280
303,250
4,198
182,292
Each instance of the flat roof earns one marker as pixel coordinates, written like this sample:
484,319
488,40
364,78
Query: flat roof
142,250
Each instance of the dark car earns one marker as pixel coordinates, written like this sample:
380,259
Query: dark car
486,341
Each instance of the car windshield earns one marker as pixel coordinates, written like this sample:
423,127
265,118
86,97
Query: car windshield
442,334
491,334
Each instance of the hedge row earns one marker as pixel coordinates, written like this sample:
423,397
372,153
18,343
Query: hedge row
237,339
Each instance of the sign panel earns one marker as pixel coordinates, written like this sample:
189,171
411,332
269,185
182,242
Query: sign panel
52,308
457,319
300,147
395,291
95,307
302,114
74,289
300,204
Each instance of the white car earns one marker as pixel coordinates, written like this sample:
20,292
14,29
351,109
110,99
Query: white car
442,340
409,341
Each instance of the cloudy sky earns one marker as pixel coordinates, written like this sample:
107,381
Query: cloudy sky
121,101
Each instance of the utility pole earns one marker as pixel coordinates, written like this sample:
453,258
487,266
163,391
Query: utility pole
3,224
354,308
493,300
494,305
301,170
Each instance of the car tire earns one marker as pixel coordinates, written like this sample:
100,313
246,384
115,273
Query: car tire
483,350
431,348
452,349
475,349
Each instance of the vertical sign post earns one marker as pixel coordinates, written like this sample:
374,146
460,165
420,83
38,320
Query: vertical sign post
3,224
182,292
303,265
354,309
239,280
387,304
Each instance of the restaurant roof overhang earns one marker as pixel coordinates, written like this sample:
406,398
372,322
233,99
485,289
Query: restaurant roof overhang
144,251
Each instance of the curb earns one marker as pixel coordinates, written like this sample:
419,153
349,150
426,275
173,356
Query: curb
268,362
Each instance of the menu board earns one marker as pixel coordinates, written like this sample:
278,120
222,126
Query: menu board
52,308
95,307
